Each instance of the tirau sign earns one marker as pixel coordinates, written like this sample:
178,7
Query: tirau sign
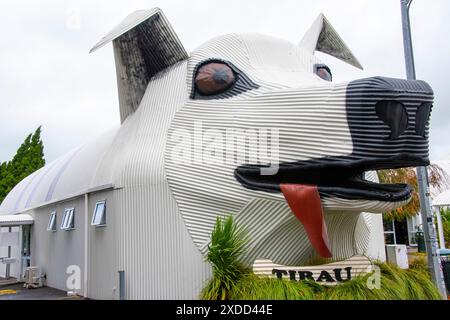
334,275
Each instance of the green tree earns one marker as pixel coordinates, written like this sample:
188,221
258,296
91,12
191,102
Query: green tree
445,214
436,176
28,158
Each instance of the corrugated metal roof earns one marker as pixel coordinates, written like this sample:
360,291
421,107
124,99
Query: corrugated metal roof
15,219
442,199
70,174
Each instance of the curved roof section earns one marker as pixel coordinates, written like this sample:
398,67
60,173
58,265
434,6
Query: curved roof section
442,199
60,179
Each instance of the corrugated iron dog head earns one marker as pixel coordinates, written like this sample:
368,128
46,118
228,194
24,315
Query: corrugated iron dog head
261,129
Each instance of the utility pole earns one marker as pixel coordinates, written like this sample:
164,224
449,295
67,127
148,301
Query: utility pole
422,175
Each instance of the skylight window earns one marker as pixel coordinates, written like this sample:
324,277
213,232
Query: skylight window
52,222
99,216
68,220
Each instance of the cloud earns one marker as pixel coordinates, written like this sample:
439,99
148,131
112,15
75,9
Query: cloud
49,79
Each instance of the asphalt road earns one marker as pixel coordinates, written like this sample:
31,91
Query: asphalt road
18,292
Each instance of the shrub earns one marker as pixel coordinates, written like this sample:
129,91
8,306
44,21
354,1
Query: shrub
227,246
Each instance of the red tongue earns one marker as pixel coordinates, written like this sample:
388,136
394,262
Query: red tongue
304,201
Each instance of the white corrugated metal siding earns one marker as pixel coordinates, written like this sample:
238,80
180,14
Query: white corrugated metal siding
54,252
154,249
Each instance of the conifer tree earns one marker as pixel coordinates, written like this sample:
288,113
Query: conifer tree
28,158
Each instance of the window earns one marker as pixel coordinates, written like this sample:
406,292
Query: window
414,224
52,222
99,217
68,220
389,232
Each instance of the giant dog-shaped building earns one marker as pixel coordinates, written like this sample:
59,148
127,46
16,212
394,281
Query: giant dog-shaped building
246,125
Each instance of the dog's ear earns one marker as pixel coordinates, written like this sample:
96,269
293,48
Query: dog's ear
322,37
144,44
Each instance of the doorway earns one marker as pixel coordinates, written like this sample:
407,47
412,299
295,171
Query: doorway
15,245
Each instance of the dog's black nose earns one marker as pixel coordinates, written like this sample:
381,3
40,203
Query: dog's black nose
389,116
423,117
394,114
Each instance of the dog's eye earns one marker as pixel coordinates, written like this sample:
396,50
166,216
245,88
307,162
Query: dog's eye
214,78
219,79
323,72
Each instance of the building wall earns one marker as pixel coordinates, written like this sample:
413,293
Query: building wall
155,250
151,241
102,258
55,251
145,236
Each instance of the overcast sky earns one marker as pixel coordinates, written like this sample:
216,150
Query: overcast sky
48,78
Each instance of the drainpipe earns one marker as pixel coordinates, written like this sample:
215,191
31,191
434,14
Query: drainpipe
121,285
86,239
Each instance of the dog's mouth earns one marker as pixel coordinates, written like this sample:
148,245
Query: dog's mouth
333,177
303,183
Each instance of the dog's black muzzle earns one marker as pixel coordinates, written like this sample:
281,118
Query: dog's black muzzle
388,120
388,117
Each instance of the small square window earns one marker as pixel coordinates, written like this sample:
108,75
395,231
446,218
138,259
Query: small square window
52,222
68,220
99,216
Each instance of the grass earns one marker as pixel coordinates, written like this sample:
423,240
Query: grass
252,287
419,262
233,281
395,284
